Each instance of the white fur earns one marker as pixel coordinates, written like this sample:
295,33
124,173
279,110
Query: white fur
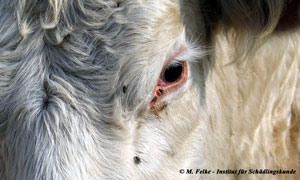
64,115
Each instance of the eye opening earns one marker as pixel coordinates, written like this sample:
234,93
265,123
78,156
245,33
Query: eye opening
173,72
172,77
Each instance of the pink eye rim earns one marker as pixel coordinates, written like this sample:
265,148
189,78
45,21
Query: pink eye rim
164,87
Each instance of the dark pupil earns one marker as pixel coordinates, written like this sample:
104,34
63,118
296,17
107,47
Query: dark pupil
173,72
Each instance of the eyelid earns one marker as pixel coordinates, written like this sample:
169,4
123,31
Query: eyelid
173,58
174,62
164,87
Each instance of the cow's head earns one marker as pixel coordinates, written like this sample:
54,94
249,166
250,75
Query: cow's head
95,89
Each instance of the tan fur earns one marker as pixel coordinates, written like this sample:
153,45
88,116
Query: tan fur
254,119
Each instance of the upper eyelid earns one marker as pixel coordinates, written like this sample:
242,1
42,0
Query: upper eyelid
173,56
175,61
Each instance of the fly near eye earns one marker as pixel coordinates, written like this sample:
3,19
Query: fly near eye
173,72
172,78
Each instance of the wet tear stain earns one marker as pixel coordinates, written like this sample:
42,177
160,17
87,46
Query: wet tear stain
158,108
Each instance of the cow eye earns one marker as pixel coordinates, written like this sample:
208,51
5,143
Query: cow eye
173,72
172,77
